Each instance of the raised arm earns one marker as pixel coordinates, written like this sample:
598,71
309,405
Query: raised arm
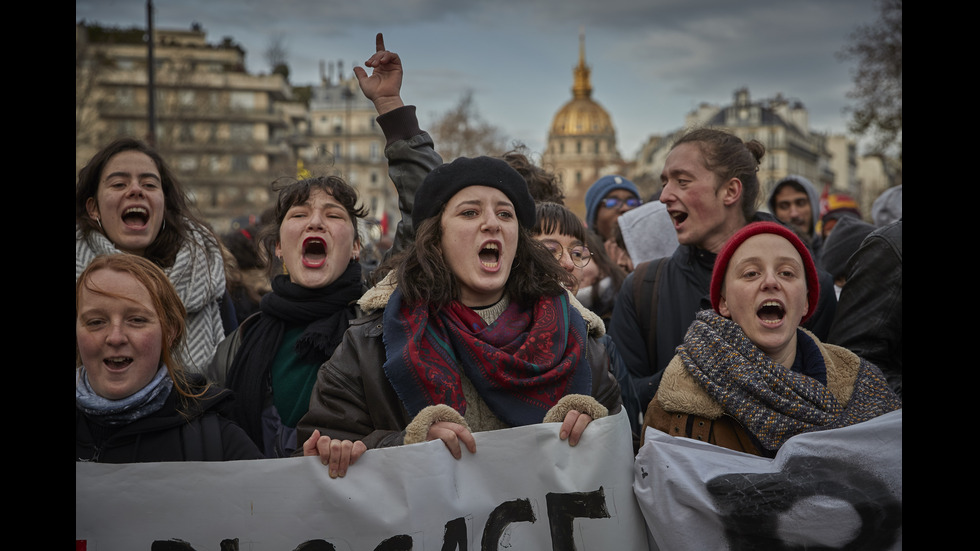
410,151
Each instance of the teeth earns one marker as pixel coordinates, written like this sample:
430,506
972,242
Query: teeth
779,312
487,262
139,210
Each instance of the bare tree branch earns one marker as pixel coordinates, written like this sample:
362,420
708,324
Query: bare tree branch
461,132
877,48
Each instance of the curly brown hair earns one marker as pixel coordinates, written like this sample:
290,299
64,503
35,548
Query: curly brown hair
425,277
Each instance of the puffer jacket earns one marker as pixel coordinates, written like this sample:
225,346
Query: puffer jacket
353,399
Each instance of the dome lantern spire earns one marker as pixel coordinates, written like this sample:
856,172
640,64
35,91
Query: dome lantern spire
582,87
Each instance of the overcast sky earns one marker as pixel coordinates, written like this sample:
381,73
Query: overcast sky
652,61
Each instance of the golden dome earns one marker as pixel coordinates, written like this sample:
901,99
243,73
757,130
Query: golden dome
582,115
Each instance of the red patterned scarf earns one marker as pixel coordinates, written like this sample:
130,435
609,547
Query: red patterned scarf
521,364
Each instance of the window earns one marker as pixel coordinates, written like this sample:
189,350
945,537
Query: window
214,164
124,97
186,133
240,163
186,163
240,132
242,100
186,98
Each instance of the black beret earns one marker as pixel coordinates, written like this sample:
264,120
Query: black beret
445,181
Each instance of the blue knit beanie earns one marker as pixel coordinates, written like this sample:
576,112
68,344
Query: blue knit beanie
598,191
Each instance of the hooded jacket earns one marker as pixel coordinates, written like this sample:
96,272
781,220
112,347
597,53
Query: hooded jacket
354,400
869,317
812,239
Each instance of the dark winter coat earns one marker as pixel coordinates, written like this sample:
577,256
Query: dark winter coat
198,433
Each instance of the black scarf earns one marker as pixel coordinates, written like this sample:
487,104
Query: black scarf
325,312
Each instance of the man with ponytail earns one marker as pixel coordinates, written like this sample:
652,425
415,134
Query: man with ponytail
711,188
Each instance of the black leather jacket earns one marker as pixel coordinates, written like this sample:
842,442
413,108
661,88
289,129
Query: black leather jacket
869,315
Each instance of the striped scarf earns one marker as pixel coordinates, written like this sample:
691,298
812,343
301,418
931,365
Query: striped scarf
768,399
198,274
521,364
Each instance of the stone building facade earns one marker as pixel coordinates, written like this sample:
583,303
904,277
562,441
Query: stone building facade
227,134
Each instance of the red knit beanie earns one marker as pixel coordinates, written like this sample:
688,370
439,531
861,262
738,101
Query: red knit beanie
755,228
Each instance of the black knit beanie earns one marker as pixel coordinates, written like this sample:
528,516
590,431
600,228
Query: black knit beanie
445,181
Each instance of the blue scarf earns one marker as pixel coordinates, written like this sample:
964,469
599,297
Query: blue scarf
147,400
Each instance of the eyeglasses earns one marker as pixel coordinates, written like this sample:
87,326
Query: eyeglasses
615,202
579,254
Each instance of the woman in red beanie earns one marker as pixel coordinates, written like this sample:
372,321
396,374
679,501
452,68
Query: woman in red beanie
747,376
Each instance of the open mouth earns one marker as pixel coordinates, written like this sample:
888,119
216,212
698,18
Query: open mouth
117,363
678,217
771,312
135,217
490,255
314,252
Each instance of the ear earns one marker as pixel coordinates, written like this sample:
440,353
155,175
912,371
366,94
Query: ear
723,307
356,250
279,250
732,192
92,207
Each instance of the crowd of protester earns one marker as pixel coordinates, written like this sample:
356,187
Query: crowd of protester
690,311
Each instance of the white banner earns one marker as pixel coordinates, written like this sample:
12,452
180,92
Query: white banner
522,489
837,489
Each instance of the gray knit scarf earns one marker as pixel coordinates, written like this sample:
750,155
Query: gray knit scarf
198,274
141,403
771,401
